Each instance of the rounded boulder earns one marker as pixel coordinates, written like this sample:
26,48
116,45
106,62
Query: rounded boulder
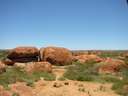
56,55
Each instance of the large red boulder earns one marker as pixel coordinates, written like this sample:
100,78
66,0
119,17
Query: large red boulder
38,67
56,55
86,57
23,54
111,65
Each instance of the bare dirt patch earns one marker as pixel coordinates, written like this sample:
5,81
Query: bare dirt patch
72,88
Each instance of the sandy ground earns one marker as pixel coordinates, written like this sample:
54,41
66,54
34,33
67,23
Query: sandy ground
71,88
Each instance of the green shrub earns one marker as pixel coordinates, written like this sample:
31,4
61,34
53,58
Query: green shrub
126,61
3,54
15,94
61,78
14,74
111,54
88,72
45,75
124,72
11,76
121,87
109,78
81,72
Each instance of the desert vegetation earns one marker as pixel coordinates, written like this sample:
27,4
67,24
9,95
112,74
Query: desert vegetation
15,74
88,72
3,54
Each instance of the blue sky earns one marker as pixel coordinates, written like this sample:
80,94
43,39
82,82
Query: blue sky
74,24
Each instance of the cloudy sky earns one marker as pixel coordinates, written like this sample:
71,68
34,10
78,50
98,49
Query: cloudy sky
75,24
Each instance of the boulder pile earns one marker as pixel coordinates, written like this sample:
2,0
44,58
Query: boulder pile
53,55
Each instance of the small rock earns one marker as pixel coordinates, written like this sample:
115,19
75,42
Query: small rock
57,85
66,83
20,65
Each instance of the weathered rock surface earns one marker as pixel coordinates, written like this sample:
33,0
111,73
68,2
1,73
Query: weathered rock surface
23,54
85,58
56,55
111,65
38,67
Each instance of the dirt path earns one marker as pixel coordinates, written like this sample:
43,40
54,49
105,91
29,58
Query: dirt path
58,71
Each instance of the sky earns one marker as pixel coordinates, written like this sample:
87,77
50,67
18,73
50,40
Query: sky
74,24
